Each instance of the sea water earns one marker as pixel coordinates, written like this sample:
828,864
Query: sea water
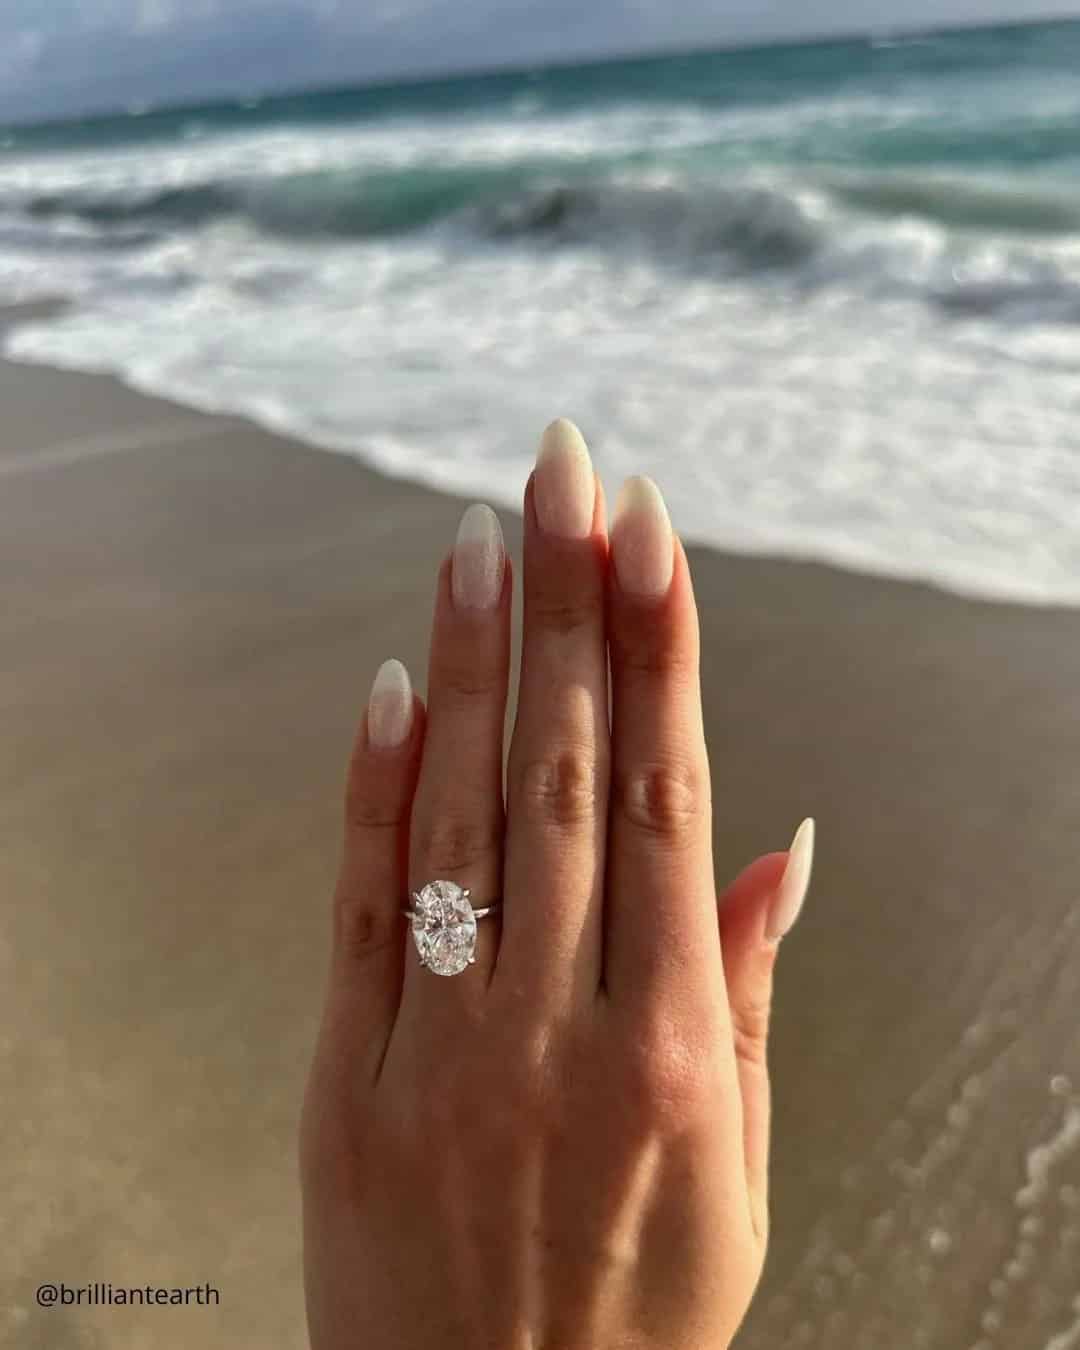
828,295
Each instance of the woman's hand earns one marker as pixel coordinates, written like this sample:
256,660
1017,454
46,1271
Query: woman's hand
565,1145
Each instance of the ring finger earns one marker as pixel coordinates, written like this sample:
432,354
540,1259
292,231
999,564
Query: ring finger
458,819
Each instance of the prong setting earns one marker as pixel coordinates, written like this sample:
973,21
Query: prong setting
444,927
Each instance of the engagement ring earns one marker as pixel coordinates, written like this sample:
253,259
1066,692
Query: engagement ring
444,926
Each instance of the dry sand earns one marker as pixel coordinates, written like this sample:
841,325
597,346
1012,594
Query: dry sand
191,611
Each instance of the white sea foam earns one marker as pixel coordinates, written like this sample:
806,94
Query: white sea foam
897,396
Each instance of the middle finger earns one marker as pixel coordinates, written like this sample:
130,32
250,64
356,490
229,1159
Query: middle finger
557,778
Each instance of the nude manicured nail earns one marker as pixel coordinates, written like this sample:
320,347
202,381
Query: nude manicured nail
642,543
788,901
564,488
390,707
479,559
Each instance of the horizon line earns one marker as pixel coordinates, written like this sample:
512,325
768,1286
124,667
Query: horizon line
413,77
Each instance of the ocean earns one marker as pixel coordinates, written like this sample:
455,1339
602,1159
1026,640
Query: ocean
828,295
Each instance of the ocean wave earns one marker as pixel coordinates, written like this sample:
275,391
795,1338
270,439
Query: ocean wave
603,201
970,248
755,224
848,311
1051,299
66,236
1012,205
343,204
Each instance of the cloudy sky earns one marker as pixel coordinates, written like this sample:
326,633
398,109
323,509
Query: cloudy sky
63,56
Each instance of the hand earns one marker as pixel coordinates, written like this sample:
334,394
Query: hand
566,1144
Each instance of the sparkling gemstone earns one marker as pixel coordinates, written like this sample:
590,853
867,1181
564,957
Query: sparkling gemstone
444,927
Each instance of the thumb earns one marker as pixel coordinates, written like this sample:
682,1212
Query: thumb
756,911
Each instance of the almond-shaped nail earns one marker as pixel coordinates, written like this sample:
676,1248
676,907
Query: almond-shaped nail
390,707
788,902
642,543
479,559
564,486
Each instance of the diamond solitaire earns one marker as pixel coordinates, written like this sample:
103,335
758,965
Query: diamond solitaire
444,927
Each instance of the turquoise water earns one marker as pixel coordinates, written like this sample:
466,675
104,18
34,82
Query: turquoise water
936,68
999,99
829,294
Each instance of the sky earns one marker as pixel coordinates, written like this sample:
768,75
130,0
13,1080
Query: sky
61,57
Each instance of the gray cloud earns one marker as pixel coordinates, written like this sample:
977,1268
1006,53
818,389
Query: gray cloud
63,56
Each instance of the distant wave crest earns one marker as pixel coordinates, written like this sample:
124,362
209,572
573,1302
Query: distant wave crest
1011,205
761,226
332,203
871,230
754,225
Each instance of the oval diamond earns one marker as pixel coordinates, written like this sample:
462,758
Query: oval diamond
444,927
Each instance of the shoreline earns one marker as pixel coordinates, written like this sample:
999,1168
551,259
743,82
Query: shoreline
856,562
191,610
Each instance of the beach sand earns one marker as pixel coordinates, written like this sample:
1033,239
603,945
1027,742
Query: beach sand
191,612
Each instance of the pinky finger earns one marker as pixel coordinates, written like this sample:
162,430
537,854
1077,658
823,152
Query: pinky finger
756,910
368,927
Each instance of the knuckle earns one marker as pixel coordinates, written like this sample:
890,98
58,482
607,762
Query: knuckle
664,800
452,842
562,788
750,1028
366,809
671,1074
649,650
360,928
463,681
563,613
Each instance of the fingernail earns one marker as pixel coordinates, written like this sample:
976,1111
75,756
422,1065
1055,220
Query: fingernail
479,559
390,707
564,487
642,543
790,894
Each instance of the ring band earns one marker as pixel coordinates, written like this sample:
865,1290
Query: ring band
444,926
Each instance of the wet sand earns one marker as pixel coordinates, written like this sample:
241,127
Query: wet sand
191,611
